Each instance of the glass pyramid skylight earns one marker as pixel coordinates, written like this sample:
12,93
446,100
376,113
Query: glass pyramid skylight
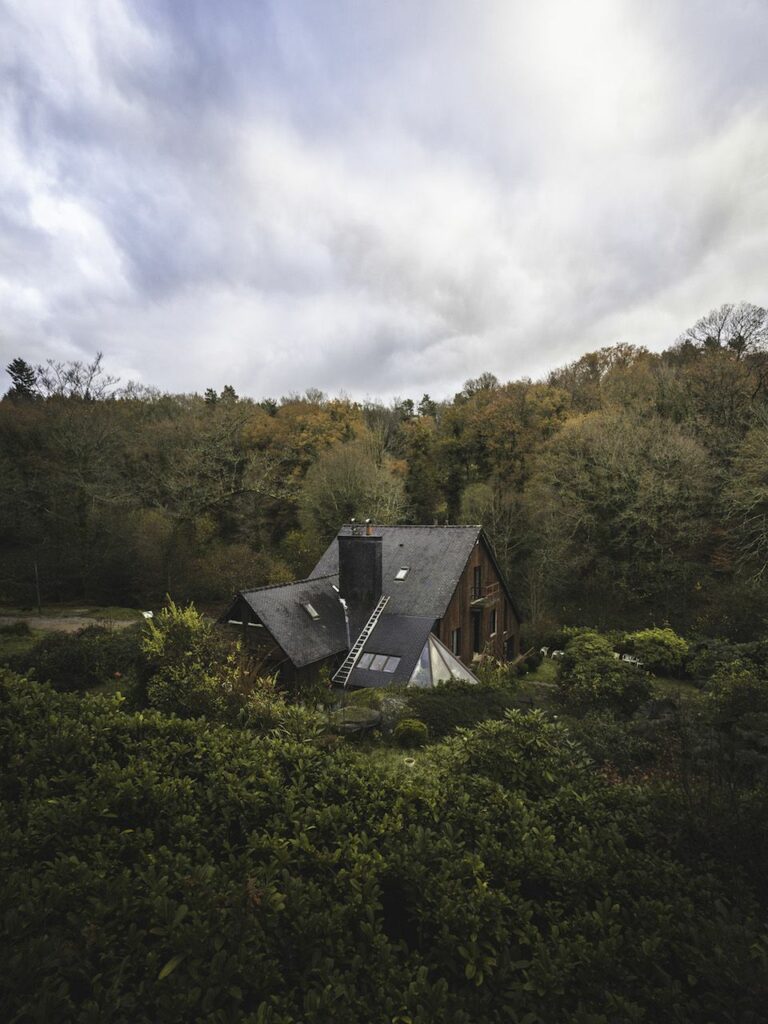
437,665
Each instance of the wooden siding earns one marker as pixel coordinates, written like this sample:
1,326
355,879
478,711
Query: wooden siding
461,610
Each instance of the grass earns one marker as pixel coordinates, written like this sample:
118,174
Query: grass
11,645
675,689
76,610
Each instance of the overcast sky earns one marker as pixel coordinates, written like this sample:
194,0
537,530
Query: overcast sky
381,197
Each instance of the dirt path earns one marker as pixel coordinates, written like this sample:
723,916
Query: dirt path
63,623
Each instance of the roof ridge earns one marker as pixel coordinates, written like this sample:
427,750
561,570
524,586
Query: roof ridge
290,583
419,526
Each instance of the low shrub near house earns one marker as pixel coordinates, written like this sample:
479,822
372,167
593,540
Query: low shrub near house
410,733
591,678
458,703
662,651
163,870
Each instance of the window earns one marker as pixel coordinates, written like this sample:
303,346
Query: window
477,632
402,572
477,581
506,616
456,642
311,612
378,662
492,626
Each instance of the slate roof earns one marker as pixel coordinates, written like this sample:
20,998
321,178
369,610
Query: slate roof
401,636
434,555
304,639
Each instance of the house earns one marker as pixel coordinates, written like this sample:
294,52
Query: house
385,605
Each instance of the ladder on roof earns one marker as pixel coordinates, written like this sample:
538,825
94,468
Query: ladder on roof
345,671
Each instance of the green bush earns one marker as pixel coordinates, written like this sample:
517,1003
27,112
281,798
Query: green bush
737,689
160,870
79,661
457,703
662,651
410,733
591,678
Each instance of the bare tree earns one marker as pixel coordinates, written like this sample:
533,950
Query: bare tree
88,381
742,329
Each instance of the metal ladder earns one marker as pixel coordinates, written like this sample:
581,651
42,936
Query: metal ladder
345,671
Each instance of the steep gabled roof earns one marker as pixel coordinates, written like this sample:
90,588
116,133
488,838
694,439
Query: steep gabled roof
282,610
435,557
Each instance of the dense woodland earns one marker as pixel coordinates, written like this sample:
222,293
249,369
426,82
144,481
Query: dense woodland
629,487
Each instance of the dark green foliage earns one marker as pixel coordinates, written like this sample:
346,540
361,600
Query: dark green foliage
662,651
159,870
457,703
19,628
738,689
591,678
410,733
23,380
79,661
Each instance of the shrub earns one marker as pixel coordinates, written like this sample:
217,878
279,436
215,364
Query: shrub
410,733
525,752
662,651
164,870
737,689
458,703
591,678
79,661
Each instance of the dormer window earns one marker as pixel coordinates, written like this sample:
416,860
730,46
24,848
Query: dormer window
311,611
403,572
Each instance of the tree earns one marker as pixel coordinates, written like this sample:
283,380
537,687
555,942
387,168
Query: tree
23,380
347,483
625,501
741,328
87,381
747,502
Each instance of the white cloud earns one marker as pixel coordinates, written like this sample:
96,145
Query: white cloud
372,202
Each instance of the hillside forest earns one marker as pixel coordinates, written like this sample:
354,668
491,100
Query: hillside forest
627,488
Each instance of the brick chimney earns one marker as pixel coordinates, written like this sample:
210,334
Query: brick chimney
360,569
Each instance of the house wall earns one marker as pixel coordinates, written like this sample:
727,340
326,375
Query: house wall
465,604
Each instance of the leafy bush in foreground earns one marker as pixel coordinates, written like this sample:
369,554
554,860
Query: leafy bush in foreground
161,870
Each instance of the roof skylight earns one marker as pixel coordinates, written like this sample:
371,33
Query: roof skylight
403,572
311,611
378,662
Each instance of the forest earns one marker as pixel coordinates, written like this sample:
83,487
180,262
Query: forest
628,488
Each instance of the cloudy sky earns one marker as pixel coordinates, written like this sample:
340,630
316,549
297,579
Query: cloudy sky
381,197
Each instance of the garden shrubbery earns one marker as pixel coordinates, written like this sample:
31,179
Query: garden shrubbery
79,661
410,733
160,870
458,703
662,651
592,678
